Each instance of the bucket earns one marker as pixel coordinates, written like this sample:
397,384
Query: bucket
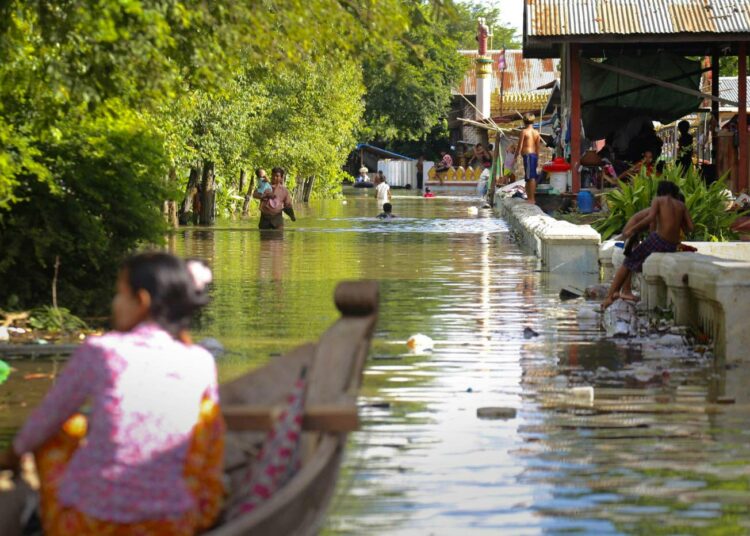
558,180
585,202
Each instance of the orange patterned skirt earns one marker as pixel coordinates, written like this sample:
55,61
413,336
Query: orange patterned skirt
203,474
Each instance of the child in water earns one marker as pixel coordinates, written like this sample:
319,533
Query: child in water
148,457
428,193
387,212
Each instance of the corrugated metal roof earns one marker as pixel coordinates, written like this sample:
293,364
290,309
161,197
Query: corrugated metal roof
547,18
729,89
521,75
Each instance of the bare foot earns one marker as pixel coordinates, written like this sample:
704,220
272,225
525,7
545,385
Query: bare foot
609,300
629,296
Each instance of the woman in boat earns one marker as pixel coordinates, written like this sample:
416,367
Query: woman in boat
151,461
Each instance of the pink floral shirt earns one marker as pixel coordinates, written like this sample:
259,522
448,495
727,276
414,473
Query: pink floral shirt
144,391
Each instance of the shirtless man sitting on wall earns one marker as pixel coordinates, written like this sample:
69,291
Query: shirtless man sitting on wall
671,217
529,144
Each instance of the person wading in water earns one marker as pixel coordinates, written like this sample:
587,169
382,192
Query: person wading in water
274,201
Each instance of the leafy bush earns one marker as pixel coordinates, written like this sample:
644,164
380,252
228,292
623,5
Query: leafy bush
55,319
706,204
104,201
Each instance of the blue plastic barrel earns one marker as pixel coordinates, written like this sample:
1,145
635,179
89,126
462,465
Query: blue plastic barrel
585,202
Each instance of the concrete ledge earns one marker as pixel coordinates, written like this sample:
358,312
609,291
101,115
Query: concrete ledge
706,292
739,251
560,245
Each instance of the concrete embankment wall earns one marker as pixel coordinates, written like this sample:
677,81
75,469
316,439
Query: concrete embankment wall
709,290
706,292
562,247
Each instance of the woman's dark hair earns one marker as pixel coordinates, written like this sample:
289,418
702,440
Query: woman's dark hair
276,170
175,296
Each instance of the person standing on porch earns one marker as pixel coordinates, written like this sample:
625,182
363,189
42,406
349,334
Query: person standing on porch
529,144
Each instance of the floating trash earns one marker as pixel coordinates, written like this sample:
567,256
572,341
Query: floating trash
570,293
4,334
214,347
620,319
529,333
496,413
420,343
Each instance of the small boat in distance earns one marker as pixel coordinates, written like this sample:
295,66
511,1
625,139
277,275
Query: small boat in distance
335,364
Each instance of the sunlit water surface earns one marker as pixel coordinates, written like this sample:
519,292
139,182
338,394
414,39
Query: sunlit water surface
652,455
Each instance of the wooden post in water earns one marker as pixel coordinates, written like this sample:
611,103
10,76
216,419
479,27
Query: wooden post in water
742,109
208,195
248,196
575,115
187,203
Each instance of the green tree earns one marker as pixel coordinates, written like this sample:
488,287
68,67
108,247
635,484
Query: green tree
409,90
463,25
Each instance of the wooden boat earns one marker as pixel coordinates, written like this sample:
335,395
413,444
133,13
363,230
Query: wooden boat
334,375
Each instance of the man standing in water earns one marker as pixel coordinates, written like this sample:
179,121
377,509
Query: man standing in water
274,201
529,144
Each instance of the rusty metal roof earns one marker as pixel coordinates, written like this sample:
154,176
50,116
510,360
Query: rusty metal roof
520,76
548,18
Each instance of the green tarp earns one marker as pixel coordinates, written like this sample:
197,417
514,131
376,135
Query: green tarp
660,104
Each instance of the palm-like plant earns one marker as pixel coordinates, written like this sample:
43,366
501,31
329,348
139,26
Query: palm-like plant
706,204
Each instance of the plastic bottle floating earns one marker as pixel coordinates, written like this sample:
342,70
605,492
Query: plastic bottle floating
420,343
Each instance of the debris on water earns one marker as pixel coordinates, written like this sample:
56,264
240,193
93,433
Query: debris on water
588,312
19,331
620,319
39,376
473,210
214,347
378,405
41,341
420,343
4,334
529,333
570,293
496,413
725,400
596,292
582,394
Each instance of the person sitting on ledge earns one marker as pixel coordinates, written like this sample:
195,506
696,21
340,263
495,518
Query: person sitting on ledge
671,217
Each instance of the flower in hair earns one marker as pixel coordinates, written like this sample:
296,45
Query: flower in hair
200,273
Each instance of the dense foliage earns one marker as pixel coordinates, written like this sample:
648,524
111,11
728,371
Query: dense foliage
109,108
706,204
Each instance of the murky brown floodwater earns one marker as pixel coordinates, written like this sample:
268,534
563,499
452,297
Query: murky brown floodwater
651,454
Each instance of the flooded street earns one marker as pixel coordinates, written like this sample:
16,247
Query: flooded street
650,452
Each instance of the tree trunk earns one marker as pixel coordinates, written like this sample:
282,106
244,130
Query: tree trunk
187,204
208,195
170,206
248,196
243,176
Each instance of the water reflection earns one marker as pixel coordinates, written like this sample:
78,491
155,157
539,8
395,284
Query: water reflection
650,452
